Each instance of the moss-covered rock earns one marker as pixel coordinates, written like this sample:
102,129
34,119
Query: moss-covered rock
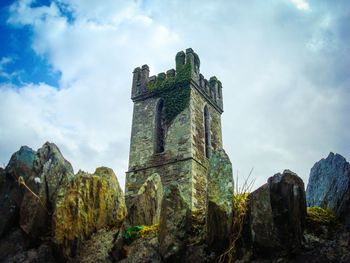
276,216
175,222
220,191
90,202
329,186
145,249
51,173
11,193
320,215
145,206
96,249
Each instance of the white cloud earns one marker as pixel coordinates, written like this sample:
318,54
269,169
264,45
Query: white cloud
4,72
283,108
301,4
89,116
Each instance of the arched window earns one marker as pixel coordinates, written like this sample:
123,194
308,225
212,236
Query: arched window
207,132
160,127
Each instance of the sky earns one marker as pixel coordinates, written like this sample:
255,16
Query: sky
66,72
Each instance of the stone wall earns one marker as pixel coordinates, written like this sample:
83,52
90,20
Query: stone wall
183,161
172,164
198,102
179,172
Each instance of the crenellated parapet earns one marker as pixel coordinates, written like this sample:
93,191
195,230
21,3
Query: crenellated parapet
187,71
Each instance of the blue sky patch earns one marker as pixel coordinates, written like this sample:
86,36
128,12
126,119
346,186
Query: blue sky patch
19,64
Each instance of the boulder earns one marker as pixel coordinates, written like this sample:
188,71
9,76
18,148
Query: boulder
11,193
276,216
261,222
143,250
11,244
175,224
45,208
329,185
288,204
145,206
89,203
220,192
96,249
51,174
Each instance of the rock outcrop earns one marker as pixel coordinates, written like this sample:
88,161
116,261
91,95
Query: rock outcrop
144,249
45,208
51,174
145,206
96,249
276,216
11,195
89,203
329,185
220,192
175,223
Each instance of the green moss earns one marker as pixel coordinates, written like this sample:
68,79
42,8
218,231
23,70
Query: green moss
320,215
175,91
133,232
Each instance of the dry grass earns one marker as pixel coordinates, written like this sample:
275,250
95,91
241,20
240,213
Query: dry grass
240,201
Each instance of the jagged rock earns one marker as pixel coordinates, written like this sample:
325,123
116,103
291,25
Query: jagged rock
220,192
11,244
143,250
51,174
175,221
145,207
329,185
90,202
262,227
288,204
15,247
96,249
42,201
276,215
11,193
42,254
200,253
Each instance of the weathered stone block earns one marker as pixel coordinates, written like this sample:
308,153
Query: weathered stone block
220,193
175,222
276,216
145,206
89,203
52,173
11,193
329,185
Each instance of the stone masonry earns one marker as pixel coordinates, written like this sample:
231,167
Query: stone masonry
185,94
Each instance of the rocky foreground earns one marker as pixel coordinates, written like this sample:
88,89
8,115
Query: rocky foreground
49,214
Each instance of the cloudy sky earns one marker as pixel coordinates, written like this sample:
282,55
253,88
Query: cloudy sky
65,76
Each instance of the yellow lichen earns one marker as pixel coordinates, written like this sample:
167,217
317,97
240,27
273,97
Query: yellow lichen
320,215
88,204
147,230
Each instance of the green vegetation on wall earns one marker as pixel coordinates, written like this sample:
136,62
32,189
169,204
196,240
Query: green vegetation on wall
175,91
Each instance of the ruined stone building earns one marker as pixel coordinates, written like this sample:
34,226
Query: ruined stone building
176,135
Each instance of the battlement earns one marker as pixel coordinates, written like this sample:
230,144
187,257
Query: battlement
187,73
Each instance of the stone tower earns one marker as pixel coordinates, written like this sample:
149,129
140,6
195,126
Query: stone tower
176,129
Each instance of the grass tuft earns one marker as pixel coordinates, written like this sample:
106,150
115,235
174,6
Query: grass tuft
240,207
